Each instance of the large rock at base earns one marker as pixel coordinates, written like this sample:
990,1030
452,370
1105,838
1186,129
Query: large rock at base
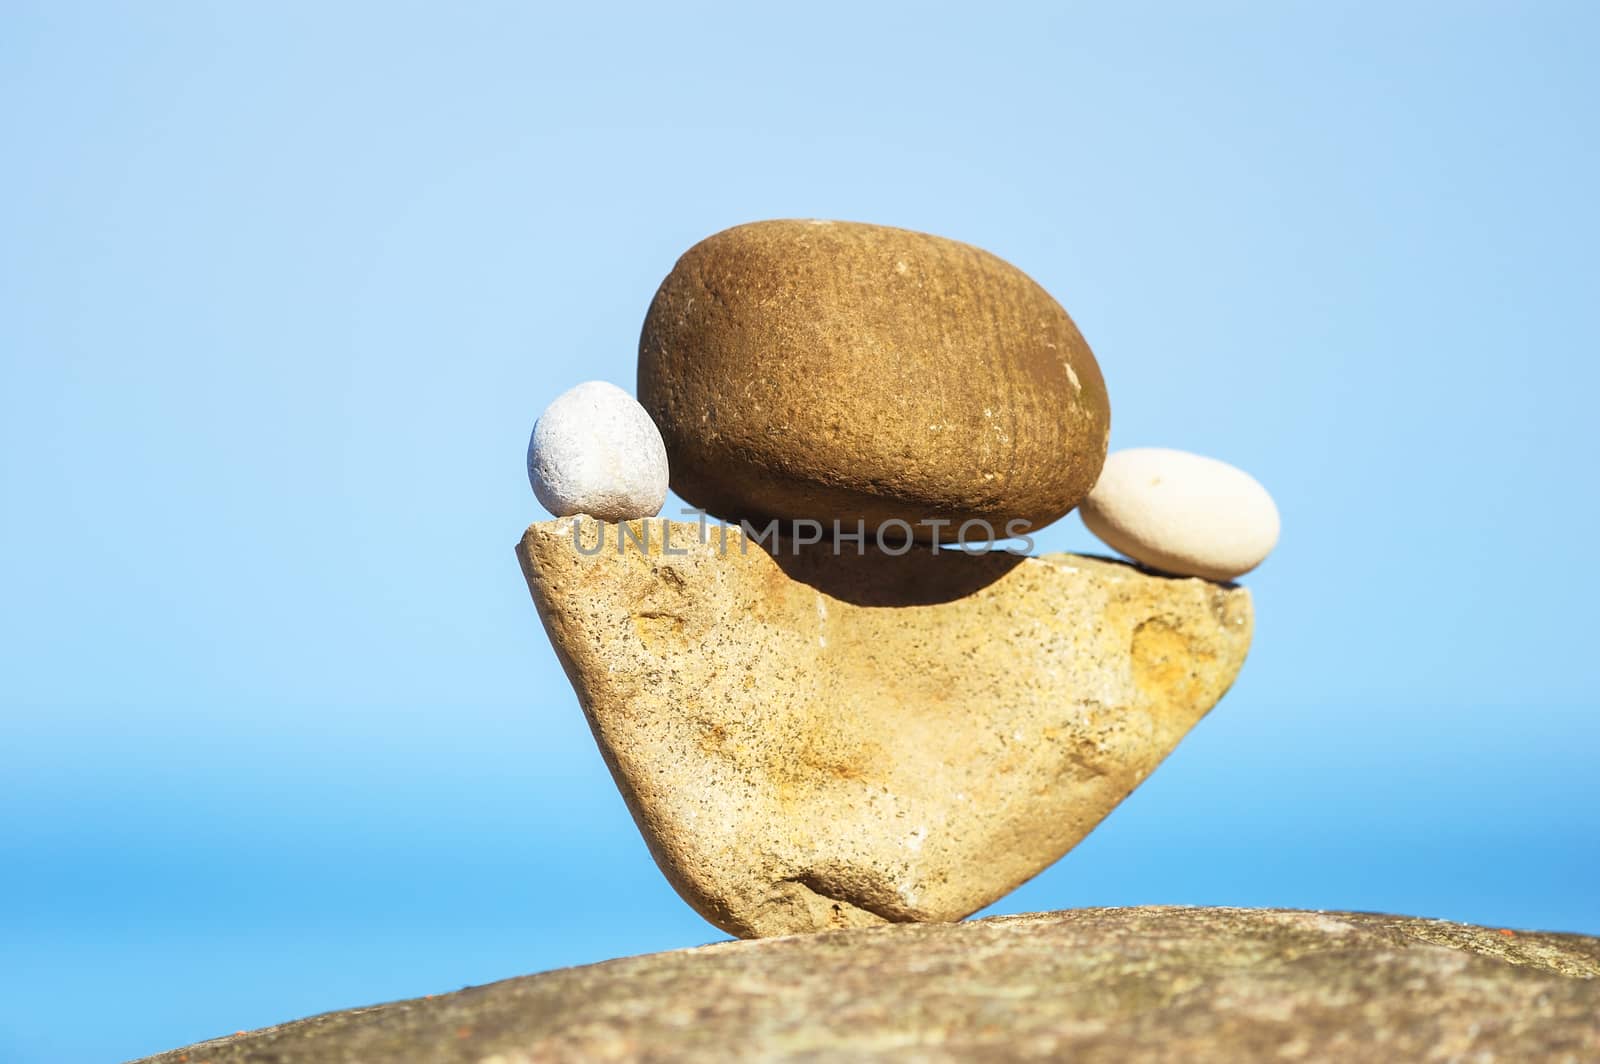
822,370
810,741
1101,986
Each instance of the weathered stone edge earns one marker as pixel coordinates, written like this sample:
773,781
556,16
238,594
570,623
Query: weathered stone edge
1561,954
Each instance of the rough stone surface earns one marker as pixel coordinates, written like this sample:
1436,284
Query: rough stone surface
810,741
1098,986
1182,513
822,370
595,451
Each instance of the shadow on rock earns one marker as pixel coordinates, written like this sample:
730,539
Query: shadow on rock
919,577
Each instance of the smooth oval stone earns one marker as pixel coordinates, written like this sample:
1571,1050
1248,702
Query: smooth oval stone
1182,513
834,370
595,451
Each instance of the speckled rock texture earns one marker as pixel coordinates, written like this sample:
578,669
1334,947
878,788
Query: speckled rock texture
821,370
810,741
1095,986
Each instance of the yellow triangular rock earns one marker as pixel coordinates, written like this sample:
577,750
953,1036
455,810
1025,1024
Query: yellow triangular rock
813,741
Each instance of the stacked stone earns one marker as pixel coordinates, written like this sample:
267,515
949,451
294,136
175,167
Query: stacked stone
861,377
838,730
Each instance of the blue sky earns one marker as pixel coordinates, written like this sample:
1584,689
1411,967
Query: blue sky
282,290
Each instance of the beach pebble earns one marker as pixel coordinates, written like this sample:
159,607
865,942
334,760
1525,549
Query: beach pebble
595,451
1182,513
841,371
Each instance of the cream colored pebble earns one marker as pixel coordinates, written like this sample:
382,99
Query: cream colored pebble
1182,513
595,451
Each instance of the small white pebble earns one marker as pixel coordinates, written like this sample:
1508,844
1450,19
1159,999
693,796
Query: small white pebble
595,451
1182,513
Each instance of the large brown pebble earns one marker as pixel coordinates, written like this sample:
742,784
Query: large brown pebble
841,371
